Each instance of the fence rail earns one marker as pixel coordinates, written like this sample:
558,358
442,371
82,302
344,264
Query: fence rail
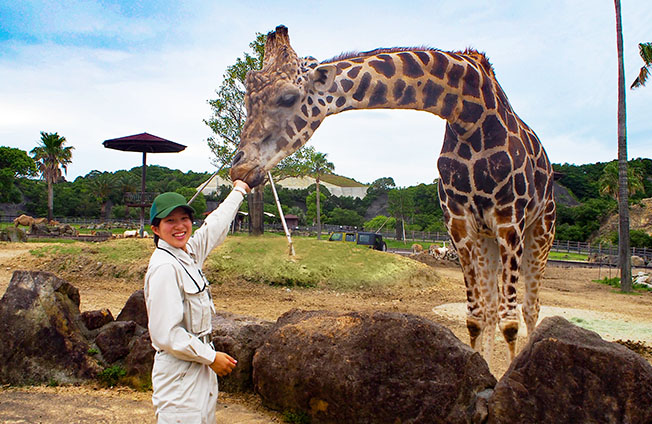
583,248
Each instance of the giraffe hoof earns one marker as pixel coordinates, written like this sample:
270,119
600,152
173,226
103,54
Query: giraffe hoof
509,330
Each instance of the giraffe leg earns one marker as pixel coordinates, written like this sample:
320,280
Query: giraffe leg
511,253
486,260
538,240
475,317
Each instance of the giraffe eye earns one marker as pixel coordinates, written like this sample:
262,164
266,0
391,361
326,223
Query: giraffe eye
287,99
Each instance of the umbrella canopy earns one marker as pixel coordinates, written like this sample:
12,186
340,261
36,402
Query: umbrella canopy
146,143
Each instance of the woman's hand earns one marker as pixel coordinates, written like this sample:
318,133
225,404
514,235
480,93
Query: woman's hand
242,185
223,364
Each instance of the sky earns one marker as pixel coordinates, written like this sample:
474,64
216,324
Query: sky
94,70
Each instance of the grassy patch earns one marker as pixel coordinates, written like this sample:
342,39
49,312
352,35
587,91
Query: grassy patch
566,256
615,283
265,260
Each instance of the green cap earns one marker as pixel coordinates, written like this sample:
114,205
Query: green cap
167,202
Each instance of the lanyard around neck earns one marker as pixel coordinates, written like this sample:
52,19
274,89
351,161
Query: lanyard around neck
199,290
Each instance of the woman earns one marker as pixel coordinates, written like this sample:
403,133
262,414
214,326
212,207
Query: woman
179,307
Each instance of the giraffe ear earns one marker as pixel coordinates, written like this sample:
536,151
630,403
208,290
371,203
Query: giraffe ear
322,77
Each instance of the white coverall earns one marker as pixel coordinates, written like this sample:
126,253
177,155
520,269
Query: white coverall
179,307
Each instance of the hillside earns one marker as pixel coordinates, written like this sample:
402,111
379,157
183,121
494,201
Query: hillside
640,218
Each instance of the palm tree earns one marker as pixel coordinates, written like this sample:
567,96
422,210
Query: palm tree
50,156
318,166
608,182
624,254
645,49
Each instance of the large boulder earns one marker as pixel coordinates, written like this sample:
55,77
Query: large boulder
135,309
139,362
239,336
42,332
364,367
566,374
96,319
13,234
114,339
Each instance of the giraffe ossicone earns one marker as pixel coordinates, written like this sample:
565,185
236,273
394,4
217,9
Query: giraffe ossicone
496,182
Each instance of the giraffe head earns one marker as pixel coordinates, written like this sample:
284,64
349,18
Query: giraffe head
282,112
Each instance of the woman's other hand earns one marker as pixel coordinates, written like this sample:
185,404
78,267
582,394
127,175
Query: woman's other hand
223,364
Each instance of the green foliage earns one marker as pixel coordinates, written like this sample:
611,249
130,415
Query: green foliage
637,238
229,113
347,217
578,223
615,283
296,417
645,50
110,376
380,221
92,351
14,163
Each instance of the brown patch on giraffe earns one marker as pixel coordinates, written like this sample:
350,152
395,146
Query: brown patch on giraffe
353,72
450,102
504,215
384,65
347,85
510,331
379,95
458,229
365,82
494,132
431,93
471,111
410,66
454,75
409,97
397,91
471,86
340,101
299,123
440,64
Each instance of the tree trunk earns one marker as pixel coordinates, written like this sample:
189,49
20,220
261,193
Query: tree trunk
50,201
624,254
318,209
255,199
399,229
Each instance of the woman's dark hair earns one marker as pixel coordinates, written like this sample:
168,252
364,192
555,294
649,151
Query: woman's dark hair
157,221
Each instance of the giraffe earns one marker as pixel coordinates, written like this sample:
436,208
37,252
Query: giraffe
495,186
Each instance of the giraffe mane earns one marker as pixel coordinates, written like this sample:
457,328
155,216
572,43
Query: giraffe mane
474,54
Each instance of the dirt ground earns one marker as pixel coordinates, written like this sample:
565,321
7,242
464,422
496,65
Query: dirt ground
569,292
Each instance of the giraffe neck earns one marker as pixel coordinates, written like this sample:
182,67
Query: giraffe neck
459,88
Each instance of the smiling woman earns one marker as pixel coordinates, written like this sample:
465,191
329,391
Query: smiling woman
179,308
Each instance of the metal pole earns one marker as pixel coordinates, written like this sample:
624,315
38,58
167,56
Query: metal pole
142,196
280,212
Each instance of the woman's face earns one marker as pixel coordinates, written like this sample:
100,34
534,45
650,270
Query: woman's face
175,229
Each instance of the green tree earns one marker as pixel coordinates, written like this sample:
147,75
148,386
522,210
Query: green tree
101,185
645,50
319,166
50,157
339,216
610,178
380,222
228,118
14,163
401,207
624,252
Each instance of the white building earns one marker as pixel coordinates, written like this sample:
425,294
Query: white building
358,192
